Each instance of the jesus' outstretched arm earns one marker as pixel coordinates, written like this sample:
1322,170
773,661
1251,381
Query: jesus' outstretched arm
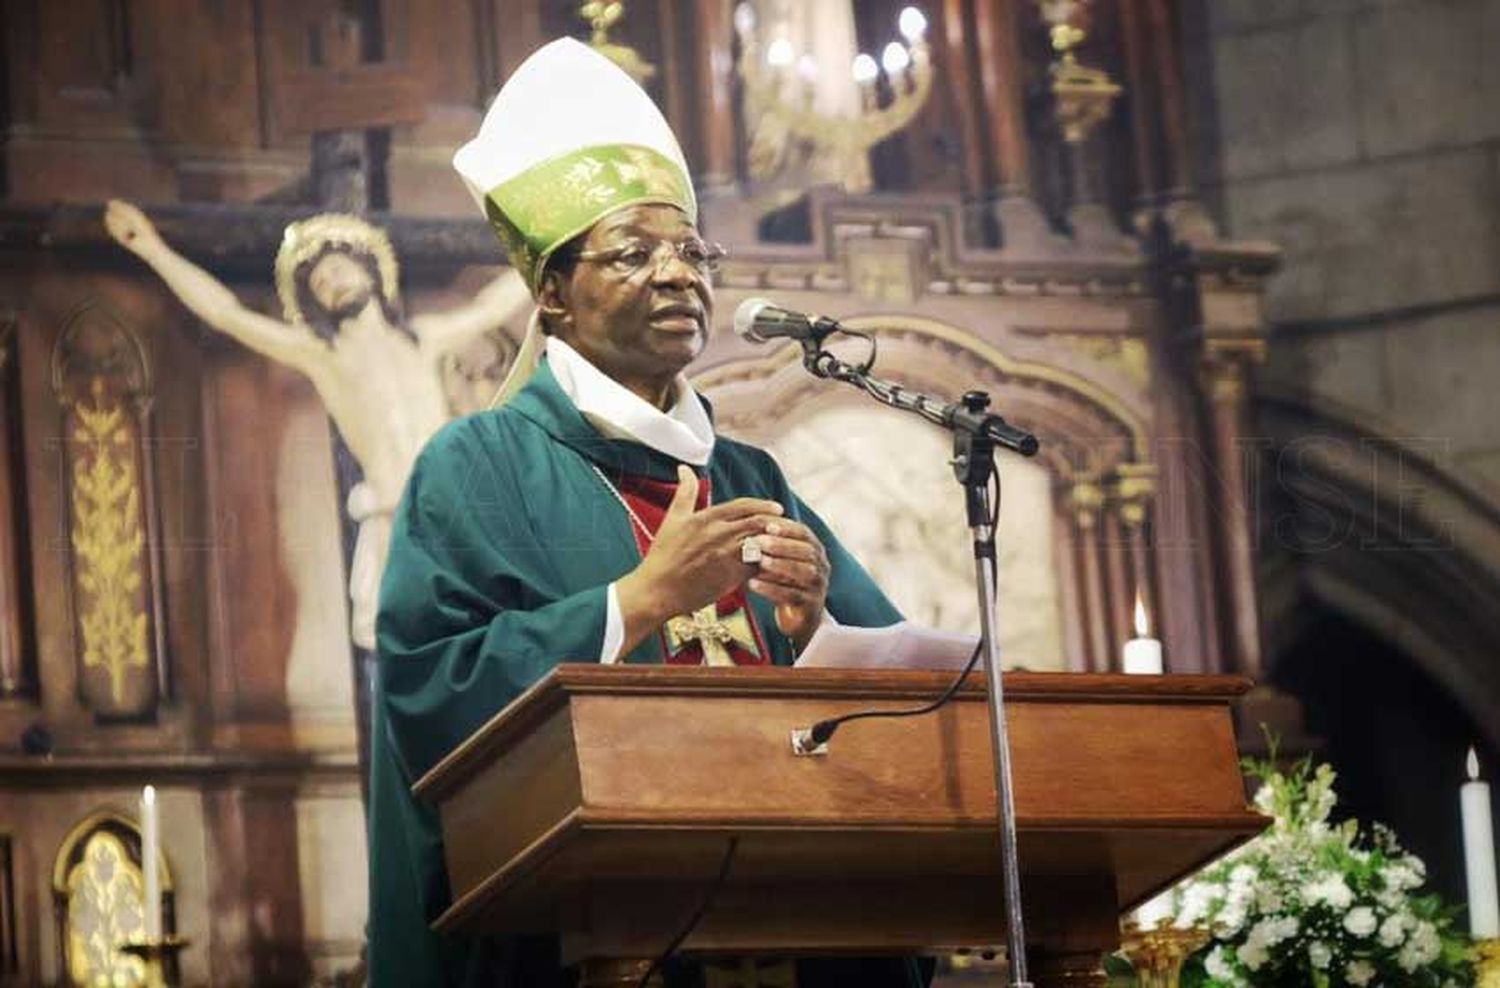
206,296
499,303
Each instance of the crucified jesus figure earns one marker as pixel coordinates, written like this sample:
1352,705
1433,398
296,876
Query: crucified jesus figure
377,375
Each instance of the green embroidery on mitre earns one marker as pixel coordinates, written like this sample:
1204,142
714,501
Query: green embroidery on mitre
552,202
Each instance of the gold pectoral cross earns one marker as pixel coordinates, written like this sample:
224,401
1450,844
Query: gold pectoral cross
713,632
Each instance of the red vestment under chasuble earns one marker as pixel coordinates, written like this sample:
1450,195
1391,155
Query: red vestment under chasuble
730,630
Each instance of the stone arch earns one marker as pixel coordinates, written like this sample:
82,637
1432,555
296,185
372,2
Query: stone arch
1374,529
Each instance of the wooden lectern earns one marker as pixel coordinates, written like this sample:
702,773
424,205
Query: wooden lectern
600,804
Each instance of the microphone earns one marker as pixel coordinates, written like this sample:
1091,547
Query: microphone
760,320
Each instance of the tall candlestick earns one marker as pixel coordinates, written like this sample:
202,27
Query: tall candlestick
151,863
1479,855
1142,653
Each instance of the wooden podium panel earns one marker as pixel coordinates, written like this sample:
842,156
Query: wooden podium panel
600,804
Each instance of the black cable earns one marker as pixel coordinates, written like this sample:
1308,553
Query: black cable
823,730
820,732
693,920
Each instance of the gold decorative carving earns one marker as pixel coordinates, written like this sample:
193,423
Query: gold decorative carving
602,16
1135,487
1226,371
108,541
1127,354
1082,96
99,893
1086,498
102,382
1159,954
1487,962
105,908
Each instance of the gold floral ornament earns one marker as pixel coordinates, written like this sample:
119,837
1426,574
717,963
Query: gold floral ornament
603,15
108,542
106,907
306,239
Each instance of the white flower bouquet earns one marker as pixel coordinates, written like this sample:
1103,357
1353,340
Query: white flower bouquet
1308,904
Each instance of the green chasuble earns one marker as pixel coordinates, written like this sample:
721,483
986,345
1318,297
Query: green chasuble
502,552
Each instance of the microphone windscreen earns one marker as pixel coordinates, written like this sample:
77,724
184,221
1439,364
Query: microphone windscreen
745,315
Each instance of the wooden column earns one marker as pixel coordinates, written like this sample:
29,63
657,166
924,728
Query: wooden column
678,75
1168,65
1189,221
1070,586
1088,502
1226,383
1145,119
1118,577
997,31
962,76
517,32
715,85
1000,79
15,678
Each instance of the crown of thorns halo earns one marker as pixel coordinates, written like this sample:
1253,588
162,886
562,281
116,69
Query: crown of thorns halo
305,239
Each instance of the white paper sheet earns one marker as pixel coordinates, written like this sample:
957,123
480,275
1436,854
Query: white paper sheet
901,646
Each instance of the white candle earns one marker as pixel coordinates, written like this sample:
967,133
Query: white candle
1142,653
151,863
1479,855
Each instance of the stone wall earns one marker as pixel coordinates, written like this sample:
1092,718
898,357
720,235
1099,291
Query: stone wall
1363,136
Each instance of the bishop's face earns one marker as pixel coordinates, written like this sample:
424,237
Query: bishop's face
636,305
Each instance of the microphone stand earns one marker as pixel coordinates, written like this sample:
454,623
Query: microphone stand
976,434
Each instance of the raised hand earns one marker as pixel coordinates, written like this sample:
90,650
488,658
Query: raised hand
694,558
130,227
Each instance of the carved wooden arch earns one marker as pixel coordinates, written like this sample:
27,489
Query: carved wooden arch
119,837
1093,446
1086,431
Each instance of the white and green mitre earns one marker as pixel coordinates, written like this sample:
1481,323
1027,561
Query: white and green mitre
569,139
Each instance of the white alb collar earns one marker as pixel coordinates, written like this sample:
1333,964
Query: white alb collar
684,432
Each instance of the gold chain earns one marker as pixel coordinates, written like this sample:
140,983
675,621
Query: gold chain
650,536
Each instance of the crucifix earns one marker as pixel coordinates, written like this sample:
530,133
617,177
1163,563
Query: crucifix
713,632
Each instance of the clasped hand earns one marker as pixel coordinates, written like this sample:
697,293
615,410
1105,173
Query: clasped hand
695,559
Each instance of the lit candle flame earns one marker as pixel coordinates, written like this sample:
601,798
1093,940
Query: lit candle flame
1142,628
149,795
1473,765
